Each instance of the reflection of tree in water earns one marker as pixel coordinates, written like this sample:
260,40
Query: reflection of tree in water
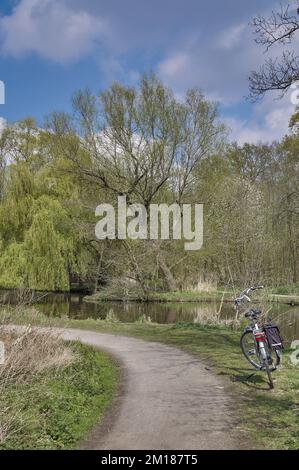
73,306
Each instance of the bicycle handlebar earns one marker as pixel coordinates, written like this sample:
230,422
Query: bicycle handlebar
244,294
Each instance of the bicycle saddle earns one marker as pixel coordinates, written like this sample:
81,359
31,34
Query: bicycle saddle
252,313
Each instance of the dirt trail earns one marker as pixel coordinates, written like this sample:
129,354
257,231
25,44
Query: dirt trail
168,399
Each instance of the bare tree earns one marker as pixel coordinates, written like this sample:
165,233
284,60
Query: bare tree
133,141
139,142
277,73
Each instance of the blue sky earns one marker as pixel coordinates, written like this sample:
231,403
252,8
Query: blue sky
50,48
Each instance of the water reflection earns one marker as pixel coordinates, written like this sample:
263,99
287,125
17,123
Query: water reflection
73,306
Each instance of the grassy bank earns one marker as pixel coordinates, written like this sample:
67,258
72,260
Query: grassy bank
286,296
269,418
179,296
51,398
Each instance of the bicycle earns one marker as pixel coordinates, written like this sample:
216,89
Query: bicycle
260,343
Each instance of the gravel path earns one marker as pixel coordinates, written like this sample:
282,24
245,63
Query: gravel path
168,399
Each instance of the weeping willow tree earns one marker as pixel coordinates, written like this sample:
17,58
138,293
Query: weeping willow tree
12,265
40,243
15,211
52,251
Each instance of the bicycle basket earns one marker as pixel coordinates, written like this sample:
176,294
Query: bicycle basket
273,336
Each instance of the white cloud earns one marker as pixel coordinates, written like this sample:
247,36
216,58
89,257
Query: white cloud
220,66
174,64
51,30
269,122
231,37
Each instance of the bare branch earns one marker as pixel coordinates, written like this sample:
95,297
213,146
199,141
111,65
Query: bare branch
280,73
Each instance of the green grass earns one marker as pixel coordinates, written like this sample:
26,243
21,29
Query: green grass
285,294
288,289
64,406
179,296
269,419
190,296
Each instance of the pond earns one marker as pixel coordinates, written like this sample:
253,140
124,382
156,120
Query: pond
73,306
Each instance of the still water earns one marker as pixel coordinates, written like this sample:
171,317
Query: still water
73,306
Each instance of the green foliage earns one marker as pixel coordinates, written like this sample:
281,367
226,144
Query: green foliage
13,264
286,290
40,243
64,406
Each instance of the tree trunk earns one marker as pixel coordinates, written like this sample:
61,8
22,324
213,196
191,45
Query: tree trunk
136,269
165,270
99,268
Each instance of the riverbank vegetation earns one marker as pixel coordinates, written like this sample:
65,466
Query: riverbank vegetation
146,145
51,392
289,296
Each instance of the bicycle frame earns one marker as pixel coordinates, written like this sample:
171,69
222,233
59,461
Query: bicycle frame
260,339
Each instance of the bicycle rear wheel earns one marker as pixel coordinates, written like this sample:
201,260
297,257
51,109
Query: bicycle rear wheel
252,354
249,349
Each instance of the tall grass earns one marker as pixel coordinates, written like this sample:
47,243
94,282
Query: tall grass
30,358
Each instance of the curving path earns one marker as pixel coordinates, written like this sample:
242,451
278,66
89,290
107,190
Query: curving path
168,399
